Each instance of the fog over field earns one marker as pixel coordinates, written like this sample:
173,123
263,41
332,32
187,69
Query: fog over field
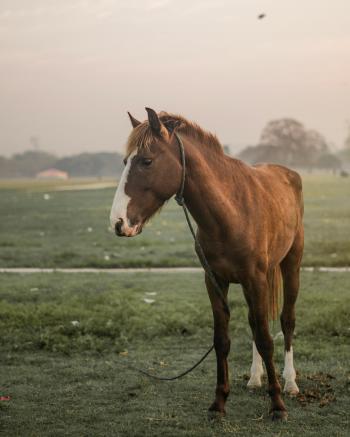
77,316
70,69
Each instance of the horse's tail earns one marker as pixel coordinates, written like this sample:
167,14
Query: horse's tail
274,279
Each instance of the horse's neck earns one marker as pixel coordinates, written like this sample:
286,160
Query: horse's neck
207,177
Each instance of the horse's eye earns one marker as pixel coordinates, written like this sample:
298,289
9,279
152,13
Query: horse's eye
146,162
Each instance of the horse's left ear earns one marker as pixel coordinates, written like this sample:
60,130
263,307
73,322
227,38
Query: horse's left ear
154,121
133,120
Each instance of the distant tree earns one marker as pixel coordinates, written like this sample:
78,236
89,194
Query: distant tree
285,132
347,139
344,154
6,168
29,163
103,164
328,161
316,141
286,141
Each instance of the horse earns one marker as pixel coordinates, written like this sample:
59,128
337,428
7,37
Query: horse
249,225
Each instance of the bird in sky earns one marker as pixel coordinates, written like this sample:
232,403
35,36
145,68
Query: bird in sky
261,16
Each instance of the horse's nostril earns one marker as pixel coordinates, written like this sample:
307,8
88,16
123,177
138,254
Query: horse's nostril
118,226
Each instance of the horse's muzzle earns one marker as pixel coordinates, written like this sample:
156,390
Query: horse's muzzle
122,229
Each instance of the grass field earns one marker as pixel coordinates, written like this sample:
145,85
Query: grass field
43,227
67,342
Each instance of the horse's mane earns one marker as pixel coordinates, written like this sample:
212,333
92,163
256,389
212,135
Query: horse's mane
141,137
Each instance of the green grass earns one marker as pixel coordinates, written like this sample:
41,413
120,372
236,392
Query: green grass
70,229
74,379
327,220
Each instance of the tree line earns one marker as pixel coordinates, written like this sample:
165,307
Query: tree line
288,142
29,163
284,141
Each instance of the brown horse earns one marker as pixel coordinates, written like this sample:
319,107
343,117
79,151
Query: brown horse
249,225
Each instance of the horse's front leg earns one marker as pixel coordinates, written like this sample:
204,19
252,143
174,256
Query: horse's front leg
221,343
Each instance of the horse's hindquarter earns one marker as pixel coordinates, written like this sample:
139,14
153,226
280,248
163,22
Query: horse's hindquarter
267,205
281,191
280,202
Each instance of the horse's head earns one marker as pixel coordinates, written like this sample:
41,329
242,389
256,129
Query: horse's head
152,174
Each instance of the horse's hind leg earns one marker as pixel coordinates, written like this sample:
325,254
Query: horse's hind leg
290,268
256,291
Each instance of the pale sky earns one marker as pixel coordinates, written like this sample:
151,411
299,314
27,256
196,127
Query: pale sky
70,69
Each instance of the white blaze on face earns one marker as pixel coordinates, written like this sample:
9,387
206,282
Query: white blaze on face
121,199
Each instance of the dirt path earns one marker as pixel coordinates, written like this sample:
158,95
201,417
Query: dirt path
143,270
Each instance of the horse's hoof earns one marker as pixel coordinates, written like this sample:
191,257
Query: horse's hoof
214,412
279,415
291,389
254,384
216,415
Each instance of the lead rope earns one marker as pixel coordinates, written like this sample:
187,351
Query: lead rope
200,253
203,260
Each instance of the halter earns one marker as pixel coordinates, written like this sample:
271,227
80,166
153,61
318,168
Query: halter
179,197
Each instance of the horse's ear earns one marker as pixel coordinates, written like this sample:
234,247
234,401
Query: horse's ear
154,121
133,120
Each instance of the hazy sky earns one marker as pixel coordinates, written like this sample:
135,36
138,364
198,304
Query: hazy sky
70,69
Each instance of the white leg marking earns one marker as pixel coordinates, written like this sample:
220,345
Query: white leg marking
121,200
257,370
289,374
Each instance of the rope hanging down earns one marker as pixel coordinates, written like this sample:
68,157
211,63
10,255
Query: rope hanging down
181,202
203,260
